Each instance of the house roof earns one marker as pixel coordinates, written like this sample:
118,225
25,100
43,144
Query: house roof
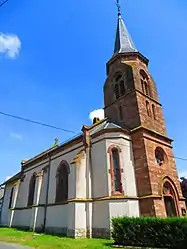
1,193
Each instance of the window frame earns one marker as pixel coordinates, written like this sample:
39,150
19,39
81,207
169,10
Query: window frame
11,198
115,192
63,171
122,88
120,112
154,111
145,83
117,91
159,152
148,108
32,189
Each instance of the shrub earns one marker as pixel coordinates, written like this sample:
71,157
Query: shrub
150,232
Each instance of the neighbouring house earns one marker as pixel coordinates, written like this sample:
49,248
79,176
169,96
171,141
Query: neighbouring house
122,165
1,200
184,188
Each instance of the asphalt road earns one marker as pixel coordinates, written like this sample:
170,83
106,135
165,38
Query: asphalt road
11,246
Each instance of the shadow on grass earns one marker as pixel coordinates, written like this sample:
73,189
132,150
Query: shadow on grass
109,244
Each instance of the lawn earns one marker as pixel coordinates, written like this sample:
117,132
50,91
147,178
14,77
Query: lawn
50,242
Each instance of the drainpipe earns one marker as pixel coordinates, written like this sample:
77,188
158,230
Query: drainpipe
48,168
87,144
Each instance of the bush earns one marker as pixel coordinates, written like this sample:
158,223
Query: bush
150,232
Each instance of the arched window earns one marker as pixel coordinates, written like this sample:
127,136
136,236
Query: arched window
119,85
117,93
160,156
146,89
145,83
122,87
118,77
32,186
11,197
62,182
154,111
120,113
142,84
148,109
115,170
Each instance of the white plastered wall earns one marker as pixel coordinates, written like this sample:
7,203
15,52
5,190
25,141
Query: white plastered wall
105,210
63,216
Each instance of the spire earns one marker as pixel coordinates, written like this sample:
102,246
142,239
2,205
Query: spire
123,42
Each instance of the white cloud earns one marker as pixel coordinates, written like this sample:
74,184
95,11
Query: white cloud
16,136
99,113
10,45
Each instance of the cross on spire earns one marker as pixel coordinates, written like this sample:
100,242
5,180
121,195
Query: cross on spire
119,7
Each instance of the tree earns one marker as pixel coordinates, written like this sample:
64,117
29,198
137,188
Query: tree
184,187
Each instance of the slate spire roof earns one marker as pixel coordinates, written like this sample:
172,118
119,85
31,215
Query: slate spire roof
123,41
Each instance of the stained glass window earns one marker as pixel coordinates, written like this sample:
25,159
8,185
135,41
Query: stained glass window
32,190
62,182
116,169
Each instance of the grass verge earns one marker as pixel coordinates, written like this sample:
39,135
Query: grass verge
43,241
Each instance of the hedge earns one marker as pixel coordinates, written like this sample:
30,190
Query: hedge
150,232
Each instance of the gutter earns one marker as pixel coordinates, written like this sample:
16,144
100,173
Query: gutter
47,192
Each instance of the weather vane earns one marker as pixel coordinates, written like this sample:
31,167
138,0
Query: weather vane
119,7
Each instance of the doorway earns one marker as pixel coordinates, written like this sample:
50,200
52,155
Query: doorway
169,200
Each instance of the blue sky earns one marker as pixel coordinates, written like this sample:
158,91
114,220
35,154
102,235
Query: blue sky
58,75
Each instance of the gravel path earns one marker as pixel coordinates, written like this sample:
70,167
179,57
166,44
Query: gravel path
12,246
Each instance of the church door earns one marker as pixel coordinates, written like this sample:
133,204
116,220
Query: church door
170,206
169,200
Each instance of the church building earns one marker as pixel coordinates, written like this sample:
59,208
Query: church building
122,165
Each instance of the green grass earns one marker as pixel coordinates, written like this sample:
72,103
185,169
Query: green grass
50,242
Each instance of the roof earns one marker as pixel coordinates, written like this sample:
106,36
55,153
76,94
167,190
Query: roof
52,149
123,41
12,179
103,125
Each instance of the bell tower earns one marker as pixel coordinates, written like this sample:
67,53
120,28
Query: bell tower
131,100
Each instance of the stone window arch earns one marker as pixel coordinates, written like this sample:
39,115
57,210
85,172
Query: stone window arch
119,85
62,176
115,170
118,76
145,83
160,156
170,198
32,186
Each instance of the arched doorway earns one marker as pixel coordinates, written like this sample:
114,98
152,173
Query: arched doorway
170,200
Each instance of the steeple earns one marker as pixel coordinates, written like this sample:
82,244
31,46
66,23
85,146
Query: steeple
123,41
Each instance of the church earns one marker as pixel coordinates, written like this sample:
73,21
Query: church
122,165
